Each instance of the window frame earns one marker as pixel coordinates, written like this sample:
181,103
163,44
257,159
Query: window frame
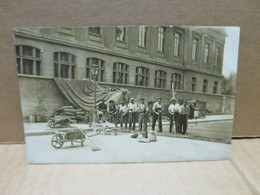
161,39
205,86
161,77
143,73
142,36
176,78
35,59
101,68
120,75
60,65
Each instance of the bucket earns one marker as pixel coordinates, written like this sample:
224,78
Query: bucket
152,136
32,118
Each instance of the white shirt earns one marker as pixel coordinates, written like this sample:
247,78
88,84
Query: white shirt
157,105
173,108
122,108
132,107
184,110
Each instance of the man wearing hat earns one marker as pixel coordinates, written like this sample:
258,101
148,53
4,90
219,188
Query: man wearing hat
142,110
102,109
157,114
173,111
131,110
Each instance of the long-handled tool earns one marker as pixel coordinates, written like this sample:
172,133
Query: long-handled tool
92,145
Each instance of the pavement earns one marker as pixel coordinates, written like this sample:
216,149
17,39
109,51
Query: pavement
123,149
37,129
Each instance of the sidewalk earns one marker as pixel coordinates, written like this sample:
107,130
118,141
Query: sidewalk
35,129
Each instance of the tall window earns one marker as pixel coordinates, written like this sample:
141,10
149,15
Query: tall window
120,34
216,62
120,73
64,65
215,88
142,36
28,60
195,45
206,53
161,32
142,76
205,86
176,44
193,84
94,30
176,81
101,68
160,79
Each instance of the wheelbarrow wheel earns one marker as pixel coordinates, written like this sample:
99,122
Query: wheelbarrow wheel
56,141
51,124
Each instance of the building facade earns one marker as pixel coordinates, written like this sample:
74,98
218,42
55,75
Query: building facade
149,61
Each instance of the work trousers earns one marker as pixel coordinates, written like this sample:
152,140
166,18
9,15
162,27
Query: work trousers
159,117
123,120
183,123
174,118
132,120
142,119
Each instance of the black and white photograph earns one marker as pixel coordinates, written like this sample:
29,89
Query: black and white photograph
144,94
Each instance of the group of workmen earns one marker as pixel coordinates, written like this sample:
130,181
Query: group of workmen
128,113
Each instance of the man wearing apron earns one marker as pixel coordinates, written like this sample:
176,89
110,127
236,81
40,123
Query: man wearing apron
183,117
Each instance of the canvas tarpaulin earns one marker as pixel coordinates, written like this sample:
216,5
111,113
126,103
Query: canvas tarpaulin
81,93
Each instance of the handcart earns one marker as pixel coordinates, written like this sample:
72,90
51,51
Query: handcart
61,137
61,121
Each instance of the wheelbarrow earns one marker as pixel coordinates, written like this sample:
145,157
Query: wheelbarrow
61,137
61,121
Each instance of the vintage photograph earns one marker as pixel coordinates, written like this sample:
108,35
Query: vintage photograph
127,94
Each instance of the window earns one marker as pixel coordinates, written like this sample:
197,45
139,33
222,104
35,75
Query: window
120,73
161,37
142,76
94,30
215,88
64,65
101,68
195,46
176,81
193,84
216,63
120,34
205,86
160,79
176,44
206,53
142,36
28,60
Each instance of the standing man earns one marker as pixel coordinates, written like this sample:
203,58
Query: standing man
111,111
142,110
132,107
157,114
183,117
123,114
173,111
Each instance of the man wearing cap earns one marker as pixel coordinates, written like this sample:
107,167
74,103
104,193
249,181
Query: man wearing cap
131,110
173,111
157,114
183,117
142,110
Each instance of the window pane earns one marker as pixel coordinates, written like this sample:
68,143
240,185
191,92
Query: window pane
27,50
64,57
56,56
38,53
17,49
38,68
73,72
64,71
28,67
56,70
